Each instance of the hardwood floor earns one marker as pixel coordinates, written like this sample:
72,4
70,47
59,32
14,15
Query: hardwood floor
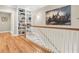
18,44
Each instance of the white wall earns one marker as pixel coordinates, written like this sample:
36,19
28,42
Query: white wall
75,23
13,17
75,16
64,40
39,17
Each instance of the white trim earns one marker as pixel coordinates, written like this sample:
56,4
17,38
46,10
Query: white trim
4,31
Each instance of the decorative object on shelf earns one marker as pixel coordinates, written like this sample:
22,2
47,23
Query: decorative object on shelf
29,18
28,25
59,16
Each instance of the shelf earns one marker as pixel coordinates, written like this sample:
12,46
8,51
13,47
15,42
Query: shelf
56,27
21,19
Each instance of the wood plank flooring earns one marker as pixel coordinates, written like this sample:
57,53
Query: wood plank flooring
19,44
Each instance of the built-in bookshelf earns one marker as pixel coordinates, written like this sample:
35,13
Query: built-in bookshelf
24,21
21,22
28,20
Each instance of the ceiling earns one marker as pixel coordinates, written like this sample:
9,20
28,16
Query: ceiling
32,7
27,7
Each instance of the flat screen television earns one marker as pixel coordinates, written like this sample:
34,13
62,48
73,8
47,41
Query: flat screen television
59,16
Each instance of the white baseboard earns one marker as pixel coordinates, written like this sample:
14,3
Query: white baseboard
4,31
9,32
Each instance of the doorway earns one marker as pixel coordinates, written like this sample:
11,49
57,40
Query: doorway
5,22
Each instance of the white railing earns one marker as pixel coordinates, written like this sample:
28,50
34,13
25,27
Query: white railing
58,40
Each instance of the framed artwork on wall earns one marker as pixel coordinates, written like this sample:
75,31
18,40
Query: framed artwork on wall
59,16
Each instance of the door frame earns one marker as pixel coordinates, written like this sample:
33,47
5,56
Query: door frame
12,18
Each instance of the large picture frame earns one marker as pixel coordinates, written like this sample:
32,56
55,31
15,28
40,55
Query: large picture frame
59,16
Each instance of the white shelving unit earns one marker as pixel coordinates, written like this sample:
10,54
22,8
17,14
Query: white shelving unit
28,21
21,22
24,21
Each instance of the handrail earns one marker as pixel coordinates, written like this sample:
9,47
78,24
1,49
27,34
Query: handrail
56,27
49,41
